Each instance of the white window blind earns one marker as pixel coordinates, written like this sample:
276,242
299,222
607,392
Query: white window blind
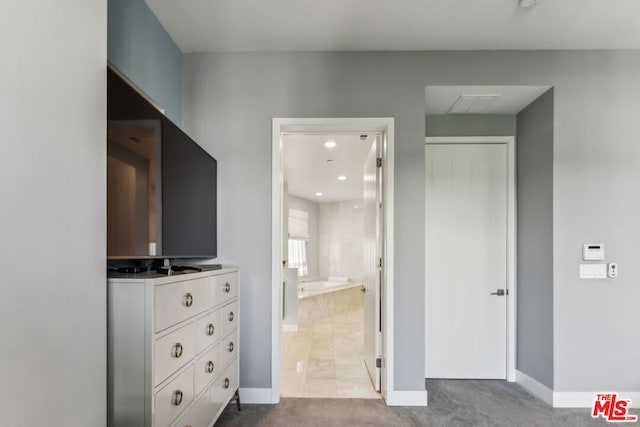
298,224
298,256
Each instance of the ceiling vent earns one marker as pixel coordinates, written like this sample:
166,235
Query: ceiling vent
528,3
472,104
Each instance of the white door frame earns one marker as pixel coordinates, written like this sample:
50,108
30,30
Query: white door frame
511,237
280,125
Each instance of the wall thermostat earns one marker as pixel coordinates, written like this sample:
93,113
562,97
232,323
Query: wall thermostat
593,252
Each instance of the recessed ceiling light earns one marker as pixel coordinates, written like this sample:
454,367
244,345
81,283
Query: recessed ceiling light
342,178
330,144
318,194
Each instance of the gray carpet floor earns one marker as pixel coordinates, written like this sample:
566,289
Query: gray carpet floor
451,403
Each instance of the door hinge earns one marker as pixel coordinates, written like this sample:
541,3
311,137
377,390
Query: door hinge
379,362
379,162
379,262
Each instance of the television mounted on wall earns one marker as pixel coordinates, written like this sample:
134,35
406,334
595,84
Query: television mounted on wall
161,185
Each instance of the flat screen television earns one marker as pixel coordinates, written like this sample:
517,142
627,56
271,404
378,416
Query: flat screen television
161,185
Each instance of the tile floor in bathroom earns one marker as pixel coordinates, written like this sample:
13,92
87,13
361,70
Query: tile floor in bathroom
324,359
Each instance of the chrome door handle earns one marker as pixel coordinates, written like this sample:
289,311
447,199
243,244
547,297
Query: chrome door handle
500,292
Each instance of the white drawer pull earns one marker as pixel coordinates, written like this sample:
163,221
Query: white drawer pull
230,347
226,383
231,316
177,397
210,329
227,287
188,299
177,350
209,366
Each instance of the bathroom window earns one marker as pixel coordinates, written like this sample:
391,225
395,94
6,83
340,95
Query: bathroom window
298,256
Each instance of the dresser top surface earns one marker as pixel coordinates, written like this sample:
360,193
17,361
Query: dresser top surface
154,276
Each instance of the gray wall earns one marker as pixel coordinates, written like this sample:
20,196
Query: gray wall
142,49
471,125
312,208
535,239
230,100
52,213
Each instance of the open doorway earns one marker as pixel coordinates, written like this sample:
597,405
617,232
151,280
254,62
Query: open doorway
470,225
332,237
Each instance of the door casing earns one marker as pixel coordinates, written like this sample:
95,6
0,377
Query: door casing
384,125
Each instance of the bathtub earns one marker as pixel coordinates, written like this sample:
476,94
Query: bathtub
320,300
310,289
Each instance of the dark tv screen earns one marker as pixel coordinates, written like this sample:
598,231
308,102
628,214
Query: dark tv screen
188,196
161,185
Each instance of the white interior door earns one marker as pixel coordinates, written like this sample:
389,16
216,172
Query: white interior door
466,261
372,268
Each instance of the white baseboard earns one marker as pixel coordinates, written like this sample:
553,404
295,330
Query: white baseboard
535,387
407,398
290,327
569,399
255,395
584,399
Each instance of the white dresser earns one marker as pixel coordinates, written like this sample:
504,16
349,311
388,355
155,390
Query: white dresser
172,348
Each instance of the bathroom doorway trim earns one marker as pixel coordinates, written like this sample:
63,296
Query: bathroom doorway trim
386,126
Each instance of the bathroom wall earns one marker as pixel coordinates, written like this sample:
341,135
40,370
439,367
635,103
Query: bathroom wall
312,208
341,239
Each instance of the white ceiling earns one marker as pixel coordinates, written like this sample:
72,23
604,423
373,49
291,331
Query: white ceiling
306,170
329,25
512,99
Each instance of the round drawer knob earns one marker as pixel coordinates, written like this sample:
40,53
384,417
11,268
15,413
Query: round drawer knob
210,329
177,397
227,287
188,299
230,347
231,316
177,350
209,366
226,383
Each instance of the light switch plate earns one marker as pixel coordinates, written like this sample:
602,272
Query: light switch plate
593,271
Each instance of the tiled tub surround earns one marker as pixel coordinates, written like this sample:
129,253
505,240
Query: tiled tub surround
324,358
341,237
325,306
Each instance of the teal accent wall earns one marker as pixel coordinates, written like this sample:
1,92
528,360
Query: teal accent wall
140,48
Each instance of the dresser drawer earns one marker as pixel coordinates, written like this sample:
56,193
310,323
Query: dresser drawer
209,330
199,415
207,366
178,301
223,288
172,400
229,317
173,351
223,388
228,347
